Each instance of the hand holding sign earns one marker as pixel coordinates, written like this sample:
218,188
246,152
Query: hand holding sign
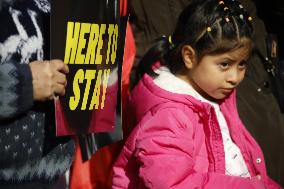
49,79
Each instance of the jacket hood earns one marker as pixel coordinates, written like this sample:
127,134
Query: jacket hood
147,95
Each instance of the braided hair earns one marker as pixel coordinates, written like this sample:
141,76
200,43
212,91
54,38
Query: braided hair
209,27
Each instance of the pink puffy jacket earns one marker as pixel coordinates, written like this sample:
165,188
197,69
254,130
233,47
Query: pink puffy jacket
178,144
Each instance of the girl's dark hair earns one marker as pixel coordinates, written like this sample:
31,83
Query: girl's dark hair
208,26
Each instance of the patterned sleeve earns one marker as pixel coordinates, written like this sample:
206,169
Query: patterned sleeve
16,91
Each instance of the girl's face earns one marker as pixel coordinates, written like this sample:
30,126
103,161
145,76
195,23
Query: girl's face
215,76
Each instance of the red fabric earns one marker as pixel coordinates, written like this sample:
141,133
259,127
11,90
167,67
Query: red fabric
80,172
123,7
129,56
62,127
97,172
104,120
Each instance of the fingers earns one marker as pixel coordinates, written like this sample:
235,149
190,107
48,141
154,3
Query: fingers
55,91
59,66
49,79
60,78
59,89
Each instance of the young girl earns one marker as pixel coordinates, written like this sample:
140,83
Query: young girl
189,134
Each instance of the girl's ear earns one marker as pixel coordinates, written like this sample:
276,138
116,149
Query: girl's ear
188,56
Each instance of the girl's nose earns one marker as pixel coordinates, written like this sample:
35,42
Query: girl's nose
234,77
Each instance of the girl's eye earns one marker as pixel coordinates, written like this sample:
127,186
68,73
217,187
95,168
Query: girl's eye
224,65
242,64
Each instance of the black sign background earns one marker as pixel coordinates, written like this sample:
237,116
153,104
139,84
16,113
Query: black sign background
78,121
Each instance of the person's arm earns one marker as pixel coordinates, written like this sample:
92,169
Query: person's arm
16,90
22,84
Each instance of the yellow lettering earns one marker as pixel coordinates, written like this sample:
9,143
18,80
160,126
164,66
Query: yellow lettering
85,28
114,44
100,44
105,81
74,100
93,40
110,32
96,94
89,76
71,42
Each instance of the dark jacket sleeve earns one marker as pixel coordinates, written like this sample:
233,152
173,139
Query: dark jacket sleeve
16,91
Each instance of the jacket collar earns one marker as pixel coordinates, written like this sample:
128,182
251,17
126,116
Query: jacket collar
150,93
